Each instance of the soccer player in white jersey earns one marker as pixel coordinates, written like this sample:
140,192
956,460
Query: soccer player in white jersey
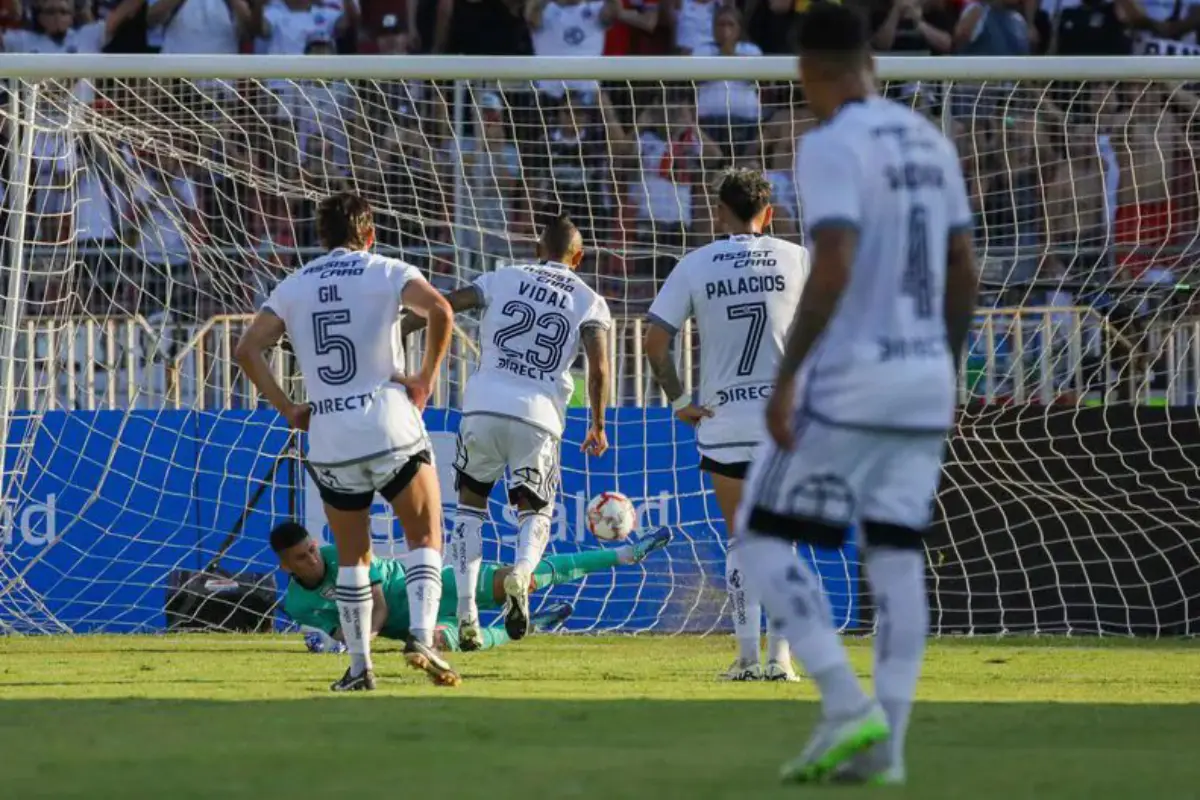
742,291
865,394
534,318
365,434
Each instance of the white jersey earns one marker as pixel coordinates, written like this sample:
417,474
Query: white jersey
743,292
884,361
529,335
342,314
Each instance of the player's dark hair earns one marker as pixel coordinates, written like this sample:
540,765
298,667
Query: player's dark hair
345,220
287,534
745,192
558,238
833,32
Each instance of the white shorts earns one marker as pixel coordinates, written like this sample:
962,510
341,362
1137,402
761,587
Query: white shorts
488,444
837,477
352,487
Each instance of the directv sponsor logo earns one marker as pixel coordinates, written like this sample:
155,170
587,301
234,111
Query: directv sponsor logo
743,394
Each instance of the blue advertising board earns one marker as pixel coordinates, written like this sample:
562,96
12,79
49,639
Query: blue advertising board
108,503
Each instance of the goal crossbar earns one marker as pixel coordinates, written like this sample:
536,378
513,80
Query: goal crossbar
627,68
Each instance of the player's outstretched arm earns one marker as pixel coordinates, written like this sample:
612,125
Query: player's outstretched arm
962,291
426,302
662,367
264,333
833,252
595,347
465,299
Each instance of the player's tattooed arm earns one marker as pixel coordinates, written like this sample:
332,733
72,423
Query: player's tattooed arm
962,289
833,252
264,333
465,299
662,366
595,347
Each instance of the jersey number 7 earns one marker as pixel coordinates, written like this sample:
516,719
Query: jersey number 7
756,313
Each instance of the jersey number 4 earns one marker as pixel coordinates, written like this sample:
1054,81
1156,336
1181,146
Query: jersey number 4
756,313
326,341
916,282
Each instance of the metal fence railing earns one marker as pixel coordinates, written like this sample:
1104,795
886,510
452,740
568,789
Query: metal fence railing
1040,354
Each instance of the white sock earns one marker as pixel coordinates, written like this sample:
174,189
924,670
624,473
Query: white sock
798,610
533,534
778,650
353,595
423,574
466,556
897,580
744,607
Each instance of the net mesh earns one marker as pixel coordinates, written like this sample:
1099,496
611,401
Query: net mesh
149,218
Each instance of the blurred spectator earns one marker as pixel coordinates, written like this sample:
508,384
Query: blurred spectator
492,167
164,210
569,28
1097,28
994,28
728,110
770,23
198,26
391,27
480,28
287,27
913,27
320,114
693,23
53,29
636,31
573,176
672,156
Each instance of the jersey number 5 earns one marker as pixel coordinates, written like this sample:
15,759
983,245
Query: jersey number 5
756,313
326,342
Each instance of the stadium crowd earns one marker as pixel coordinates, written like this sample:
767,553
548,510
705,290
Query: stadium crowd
196,195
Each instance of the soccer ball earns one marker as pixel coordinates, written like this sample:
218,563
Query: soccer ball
611,516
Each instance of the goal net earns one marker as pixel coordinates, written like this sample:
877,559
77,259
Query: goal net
147,217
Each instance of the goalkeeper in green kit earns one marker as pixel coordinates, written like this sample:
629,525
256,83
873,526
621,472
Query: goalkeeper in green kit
313,569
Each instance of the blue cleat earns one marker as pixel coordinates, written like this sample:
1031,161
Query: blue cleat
552,617
656,541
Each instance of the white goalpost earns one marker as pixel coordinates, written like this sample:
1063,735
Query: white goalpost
152,202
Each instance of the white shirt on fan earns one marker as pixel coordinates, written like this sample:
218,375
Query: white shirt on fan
529,335
743,292
883,361
342,314
199,26
570,30
736,99
694,25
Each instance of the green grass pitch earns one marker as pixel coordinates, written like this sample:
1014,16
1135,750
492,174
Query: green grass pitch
210,716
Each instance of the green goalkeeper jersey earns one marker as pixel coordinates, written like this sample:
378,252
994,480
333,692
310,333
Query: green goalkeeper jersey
317,607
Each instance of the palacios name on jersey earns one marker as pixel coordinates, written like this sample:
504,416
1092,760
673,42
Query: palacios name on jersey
747,284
